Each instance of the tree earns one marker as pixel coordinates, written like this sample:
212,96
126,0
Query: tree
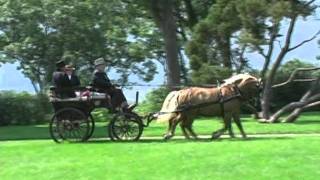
38,33
176,20
236,27
211,41
289,88
310,98
279,11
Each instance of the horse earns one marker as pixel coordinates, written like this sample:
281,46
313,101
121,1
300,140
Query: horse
184,105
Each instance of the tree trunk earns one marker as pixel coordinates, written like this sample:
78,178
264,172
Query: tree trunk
294,115
273,35
192,16
35,87
184,70
298,107
164,17
277,115
224,46
265,100
267,92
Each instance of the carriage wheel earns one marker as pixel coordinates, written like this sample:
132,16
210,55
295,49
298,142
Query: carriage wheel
69,124
91,126
125,126
110,132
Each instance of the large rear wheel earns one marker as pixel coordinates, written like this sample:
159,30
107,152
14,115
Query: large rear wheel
69,124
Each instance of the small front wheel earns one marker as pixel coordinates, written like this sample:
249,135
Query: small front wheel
125,127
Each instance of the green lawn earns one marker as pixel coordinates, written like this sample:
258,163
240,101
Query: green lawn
259,158
308,123
26,157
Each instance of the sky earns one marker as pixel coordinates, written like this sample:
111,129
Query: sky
13,79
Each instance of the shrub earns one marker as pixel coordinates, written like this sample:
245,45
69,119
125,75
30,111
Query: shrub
154,100
101,115
23,108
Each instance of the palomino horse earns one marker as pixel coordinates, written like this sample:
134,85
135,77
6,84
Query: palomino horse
184,105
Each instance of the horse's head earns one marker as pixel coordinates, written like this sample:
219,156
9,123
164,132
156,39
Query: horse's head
248,85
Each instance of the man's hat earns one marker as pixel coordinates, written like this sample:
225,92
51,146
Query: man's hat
60,64
99,61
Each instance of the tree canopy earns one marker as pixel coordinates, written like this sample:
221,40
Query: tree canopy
38,33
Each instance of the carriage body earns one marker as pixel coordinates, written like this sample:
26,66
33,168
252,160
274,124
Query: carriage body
72,119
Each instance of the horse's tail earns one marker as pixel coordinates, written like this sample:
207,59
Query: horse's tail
169,105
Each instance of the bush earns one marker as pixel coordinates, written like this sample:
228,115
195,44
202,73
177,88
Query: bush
101,115
210,74
154,100
23,108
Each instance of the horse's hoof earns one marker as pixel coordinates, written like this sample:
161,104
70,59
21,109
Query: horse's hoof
195,138
187,137
244,136
215,136
167,137
232,137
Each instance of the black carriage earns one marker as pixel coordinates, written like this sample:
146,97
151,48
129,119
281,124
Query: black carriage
73,122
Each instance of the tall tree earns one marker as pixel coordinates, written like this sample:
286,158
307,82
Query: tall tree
250,26
279,11
211,43
37,33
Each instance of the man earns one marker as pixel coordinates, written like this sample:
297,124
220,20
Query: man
64,80
102,83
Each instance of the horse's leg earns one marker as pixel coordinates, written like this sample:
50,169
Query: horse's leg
226,124
175,120
236,117
231,134
190,129
169,126
183,128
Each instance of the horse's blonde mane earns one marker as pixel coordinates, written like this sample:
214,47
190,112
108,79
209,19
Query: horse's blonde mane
236,78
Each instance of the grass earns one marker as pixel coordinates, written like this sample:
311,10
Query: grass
260,158
305,124
24,156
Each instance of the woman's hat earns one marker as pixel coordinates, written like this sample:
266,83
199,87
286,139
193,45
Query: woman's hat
99,61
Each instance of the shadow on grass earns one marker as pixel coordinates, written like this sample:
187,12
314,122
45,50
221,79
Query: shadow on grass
202,140
12,133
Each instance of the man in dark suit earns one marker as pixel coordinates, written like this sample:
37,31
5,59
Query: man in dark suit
102,83
64,80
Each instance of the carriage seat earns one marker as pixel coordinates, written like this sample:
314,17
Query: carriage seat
87,93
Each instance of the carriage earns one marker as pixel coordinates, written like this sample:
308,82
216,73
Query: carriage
73,122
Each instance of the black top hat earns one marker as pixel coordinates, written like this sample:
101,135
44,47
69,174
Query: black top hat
60,64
